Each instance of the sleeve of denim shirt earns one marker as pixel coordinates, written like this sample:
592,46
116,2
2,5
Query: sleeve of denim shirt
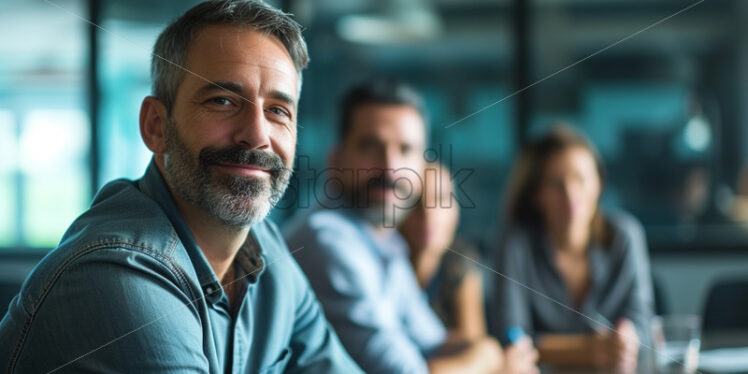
314,346
343,279
114,310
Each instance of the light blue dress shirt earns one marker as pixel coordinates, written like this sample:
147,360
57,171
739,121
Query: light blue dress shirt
368,290
128,290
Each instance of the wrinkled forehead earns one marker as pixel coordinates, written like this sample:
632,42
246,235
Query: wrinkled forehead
226,47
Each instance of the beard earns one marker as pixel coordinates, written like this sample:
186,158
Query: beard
236,201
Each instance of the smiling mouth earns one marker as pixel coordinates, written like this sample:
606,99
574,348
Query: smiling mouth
244,169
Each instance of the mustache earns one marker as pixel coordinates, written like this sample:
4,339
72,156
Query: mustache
382,182
242,156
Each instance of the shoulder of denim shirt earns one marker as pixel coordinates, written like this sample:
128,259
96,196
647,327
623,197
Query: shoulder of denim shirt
121,217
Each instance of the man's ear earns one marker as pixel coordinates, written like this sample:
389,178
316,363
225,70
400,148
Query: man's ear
153,118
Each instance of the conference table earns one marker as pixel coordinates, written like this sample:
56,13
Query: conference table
710,341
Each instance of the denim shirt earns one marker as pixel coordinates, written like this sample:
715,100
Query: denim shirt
128,290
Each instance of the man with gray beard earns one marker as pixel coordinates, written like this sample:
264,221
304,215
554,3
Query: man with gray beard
179,272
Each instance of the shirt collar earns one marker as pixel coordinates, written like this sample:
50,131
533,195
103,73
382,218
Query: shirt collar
248,258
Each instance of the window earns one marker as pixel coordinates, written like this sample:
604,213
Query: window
8,156
44,127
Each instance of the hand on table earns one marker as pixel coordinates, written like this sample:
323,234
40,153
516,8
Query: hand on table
487,352
617,350
520,358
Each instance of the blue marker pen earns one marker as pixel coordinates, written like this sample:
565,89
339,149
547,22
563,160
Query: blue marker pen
513,334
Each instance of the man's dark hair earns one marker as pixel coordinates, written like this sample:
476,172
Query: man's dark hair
378,91
172,46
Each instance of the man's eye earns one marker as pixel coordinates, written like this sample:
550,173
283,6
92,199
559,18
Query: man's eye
278,111
220,101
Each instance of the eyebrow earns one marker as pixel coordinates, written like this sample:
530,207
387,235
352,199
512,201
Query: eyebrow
221,86
284,97
238,89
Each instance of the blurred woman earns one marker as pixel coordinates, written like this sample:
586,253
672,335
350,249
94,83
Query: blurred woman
445,269
442,263
573,277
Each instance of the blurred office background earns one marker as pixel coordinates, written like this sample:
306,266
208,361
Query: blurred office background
660,86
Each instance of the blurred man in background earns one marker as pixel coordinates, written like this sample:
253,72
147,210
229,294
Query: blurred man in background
356,260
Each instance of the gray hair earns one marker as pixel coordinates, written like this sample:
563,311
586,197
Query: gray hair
170,50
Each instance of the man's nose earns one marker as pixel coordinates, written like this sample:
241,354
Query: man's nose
390,161
252,128
389,171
